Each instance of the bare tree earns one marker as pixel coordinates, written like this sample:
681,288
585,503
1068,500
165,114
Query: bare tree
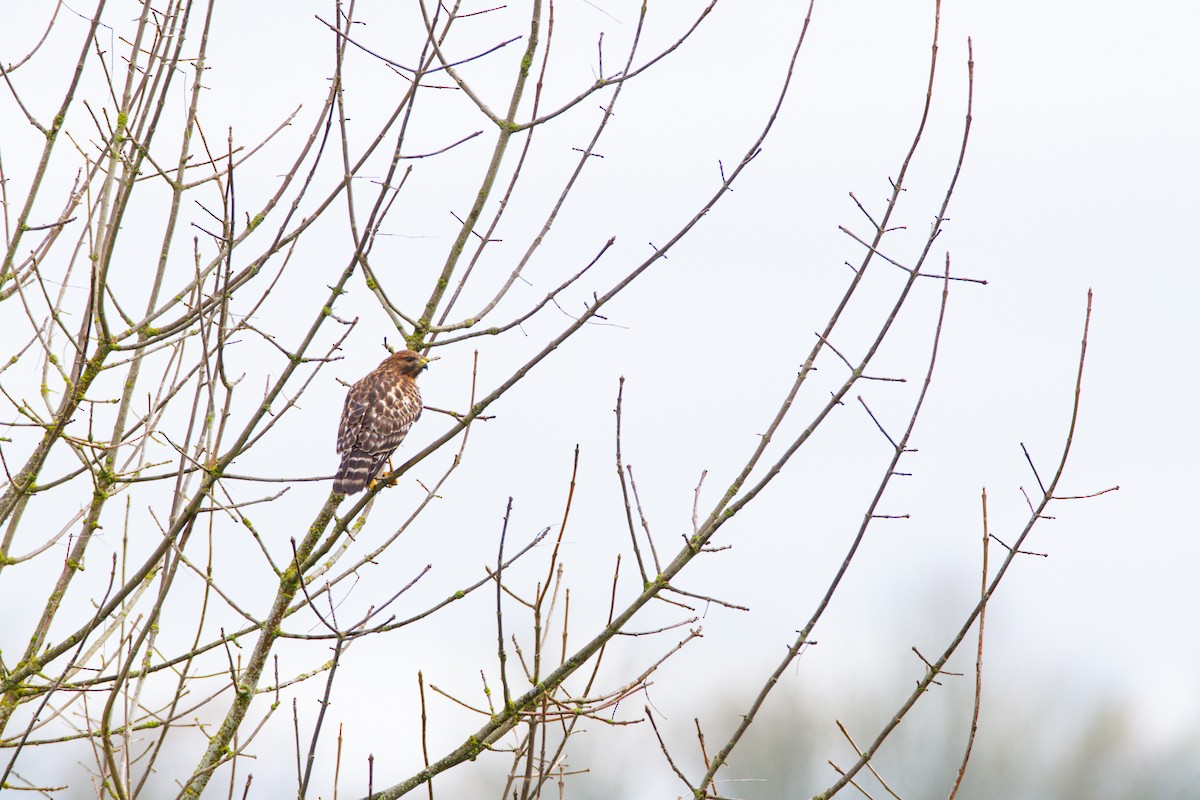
164,328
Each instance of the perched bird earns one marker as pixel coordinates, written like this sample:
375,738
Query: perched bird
379,410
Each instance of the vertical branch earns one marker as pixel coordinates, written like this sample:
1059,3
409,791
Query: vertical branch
502,656
247,684
51,135
507,127
517,172
935,668
962,769
637,551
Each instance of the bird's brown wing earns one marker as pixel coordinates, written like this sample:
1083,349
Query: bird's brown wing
379,411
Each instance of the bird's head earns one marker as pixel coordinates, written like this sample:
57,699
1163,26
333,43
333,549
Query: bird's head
409,362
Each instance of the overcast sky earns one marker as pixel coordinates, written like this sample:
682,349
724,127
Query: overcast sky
1081,173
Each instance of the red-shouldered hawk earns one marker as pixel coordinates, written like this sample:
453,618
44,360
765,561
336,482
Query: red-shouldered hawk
379,410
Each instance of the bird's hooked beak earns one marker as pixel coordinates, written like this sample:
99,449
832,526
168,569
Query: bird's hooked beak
427,360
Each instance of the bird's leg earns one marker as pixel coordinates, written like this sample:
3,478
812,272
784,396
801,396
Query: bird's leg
390,478
387,478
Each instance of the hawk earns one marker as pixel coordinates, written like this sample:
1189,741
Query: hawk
379,410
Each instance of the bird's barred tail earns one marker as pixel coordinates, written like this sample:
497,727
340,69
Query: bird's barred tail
356,471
